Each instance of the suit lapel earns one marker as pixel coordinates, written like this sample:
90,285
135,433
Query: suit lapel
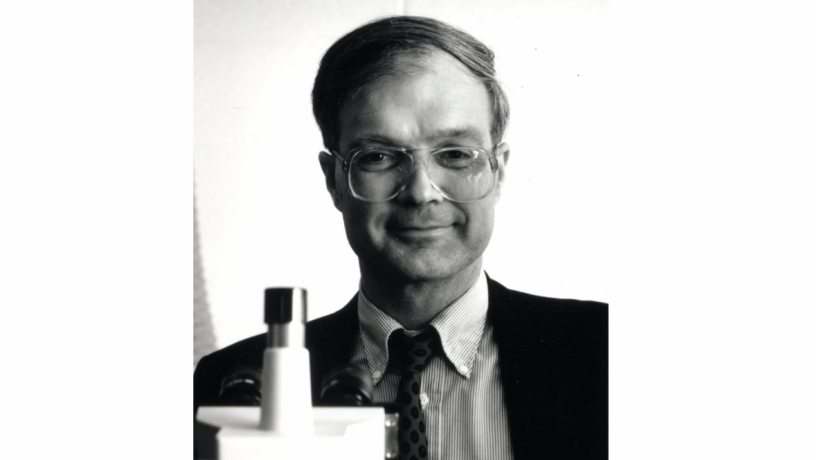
522,365
330,341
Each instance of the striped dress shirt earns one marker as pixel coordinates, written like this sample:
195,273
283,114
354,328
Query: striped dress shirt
461,392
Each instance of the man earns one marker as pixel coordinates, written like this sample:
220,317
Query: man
412,119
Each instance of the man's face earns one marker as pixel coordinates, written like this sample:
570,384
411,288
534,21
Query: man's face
419,235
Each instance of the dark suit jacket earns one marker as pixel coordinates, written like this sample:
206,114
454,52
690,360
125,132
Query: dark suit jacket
553,358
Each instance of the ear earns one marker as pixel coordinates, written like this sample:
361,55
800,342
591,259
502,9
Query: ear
502,156
328,164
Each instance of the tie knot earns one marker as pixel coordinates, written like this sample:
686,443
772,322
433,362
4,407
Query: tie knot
412,353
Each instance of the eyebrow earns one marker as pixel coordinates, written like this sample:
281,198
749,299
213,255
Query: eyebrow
470,133
366,139
467,133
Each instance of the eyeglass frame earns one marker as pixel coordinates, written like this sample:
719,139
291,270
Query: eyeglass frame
346,162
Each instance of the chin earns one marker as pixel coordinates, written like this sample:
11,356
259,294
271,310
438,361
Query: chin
425,267
424,273
412,261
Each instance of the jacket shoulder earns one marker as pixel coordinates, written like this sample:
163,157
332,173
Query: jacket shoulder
329,327
528,304
574,330
330,340
241,352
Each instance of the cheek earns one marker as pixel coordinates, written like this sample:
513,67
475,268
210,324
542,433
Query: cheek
480,225
356,234
363,222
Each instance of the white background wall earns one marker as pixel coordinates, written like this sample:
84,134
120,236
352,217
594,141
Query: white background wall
265,217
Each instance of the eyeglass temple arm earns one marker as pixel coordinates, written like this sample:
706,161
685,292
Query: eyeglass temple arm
339,157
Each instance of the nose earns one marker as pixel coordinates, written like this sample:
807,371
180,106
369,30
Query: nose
419,188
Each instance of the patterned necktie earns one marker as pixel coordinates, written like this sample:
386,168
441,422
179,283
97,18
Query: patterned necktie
412,353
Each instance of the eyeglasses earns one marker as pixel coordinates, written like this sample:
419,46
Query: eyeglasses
460,174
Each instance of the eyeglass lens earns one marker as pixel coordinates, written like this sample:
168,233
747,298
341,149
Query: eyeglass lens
461,175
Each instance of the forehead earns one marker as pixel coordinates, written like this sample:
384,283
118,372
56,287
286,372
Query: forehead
437,100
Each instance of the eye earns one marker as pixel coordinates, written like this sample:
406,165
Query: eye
375,160
372,157
456,157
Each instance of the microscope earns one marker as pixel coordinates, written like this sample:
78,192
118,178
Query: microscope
285,425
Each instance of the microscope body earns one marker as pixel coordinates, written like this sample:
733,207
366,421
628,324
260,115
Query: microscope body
286,426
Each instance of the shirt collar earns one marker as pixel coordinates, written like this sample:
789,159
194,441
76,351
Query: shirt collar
460,327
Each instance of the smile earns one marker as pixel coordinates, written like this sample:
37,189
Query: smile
420,232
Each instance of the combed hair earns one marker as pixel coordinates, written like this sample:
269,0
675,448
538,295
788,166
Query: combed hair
374,50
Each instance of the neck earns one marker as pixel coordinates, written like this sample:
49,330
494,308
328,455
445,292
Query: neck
415,303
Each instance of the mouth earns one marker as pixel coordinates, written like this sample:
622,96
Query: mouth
420,232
